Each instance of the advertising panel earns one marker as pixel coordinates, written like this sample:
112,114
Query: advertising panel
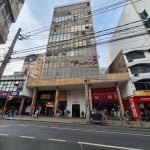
26,65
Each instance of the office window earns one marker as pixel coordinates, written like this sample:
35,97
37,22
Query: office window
135,55
141,68
142,84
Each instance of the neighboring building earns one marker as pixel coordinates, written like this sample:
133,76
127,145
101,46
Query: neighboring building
9,11
71,50
133,56
132,31
35,69
71,79
14,86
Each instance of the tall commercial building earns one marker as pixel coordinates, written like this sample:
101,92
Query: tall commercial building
71,50
70,79
9,11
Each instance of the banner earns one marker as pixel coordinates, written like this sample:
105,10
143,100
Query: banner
26,65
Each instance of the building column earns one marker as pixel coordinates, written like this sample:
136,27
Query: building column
21,105
120,101
87,101
90,98
56,101
34,97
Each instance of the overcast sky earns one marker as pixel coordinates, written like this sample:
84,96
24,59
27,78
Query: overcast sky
38,13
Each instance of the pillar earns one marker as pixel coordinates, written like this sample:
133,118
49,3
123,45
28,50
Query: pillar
21,105
120,101
90,98
34,97
56,101
87,101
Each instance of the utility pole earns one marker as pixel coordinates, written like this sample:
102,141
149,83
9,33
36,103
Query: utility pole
7,56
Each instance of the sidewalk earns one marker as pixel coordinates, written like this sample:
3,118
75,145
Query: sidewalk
115,123
48,119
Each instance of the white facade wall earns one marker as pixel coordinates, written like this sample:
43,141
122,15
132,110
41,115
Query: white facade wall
76,97
127,89
129,15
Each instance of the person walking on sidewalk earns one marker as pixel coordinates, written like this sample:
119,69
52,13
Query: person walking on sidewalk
37,112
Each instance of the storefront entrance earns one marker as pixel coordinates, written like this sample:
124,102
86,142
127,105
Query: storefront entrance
105,98
75,110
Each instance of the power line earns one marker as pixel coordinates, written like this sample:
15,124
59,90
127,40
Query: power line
112,40
97,12
98,34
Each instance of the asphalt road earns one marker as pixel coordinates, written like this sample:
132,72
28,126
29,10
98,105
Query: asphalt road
32,135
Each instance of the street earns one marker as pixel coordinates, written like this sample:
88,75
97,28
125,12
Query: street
29,135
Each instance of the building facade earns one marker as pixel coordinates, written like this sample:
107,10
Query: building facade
71,50
133,56
9,11
14,86
71,81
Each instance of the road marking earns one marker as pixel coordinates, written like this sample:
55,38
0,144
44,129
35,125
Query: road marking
3,134
109,132
29,137
22,125
58,140
108,146
4,126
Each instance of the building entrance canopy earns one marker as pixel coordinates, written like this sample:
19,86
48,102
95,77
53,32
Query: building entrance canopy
107,80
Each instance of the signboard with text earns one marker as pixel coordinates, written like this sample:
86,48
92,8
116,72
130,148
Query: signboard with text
12,93
142,93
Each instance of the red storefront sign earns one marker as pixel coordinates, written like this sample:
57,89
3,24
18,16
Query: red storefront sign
104,94
141,99
134,109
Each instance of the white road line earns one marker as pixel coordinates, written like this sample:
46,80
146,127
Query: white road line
3,134
26,125
108,146
29,137
58,140
23,125
4,126
109,132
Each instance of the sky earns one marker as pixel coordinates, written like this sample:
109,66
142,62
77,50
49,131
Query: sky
36,14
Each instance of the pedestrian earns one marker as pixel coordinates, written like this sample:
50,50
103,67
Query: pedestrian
37,113
1,111
82,114
127,116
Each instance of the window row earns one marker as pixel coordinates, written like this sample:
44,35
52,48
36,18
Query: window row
135,55
142,84
20,88
140,68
